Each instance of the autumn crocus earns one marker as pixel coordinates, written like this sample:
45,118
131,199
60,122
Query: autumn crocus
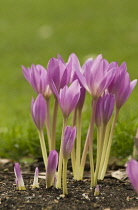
36,75
104,110
19,178
121,85
35,182
51,168
121,96
120,72
58,74
125,90
38,110
58,77
97,76
75,156
68,99
132,172
68,142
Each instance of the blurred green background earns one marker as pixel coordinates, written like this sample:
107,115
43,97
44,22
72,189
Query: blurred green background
33,31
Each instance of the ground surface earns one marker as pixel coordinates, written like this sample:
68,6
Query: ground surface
114,194
33,32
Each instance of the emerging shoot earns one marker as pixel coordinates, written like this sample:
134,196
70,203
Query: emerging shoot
68,142
51,168
19,179
35,183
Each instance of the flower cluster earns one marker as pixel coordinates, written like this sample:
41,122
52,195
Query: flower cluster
109,86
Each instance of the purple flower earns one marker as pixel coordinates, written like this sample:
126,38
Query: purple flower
82,97
35,183
68,141
58,74
118,78
19,179
104,109
75,66
37,77
69,97
51,167
125,90
98,74
132,172
38,109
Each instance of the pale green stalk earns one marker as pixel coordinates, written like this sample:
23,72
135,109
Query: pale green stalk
65,191
48,124
60,154
43,146
99,136
104,150
109,146
48,136
54,122
84,154
73,149
78,146
100,142
48,113
89,143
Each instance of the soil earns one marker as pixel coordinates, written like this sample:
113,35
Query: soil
114,194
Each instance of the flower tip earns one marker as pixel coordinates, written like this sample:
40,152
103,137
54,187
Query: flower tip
51,168
97,191
35,183
68,141
19,180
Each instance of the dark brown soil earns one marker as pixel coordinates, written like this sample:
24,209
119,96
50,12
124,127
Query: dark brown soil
114,195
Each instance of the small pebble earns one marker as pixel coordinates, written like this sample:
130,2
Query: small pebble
62,196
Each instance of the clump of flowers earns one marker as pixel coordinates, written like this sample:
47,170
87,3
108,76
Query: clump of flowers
109,86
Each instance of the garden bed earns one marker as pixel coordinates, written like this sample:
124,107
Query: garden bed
114,194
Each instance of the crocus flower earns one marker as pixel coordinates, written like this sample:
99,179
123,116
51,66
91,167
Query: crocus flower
38,109
75,66
82,97
35,182
19,179
37,77
118,78
132,172
125,90
51,167
58,75
104,109
97,76
68,141
69,97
